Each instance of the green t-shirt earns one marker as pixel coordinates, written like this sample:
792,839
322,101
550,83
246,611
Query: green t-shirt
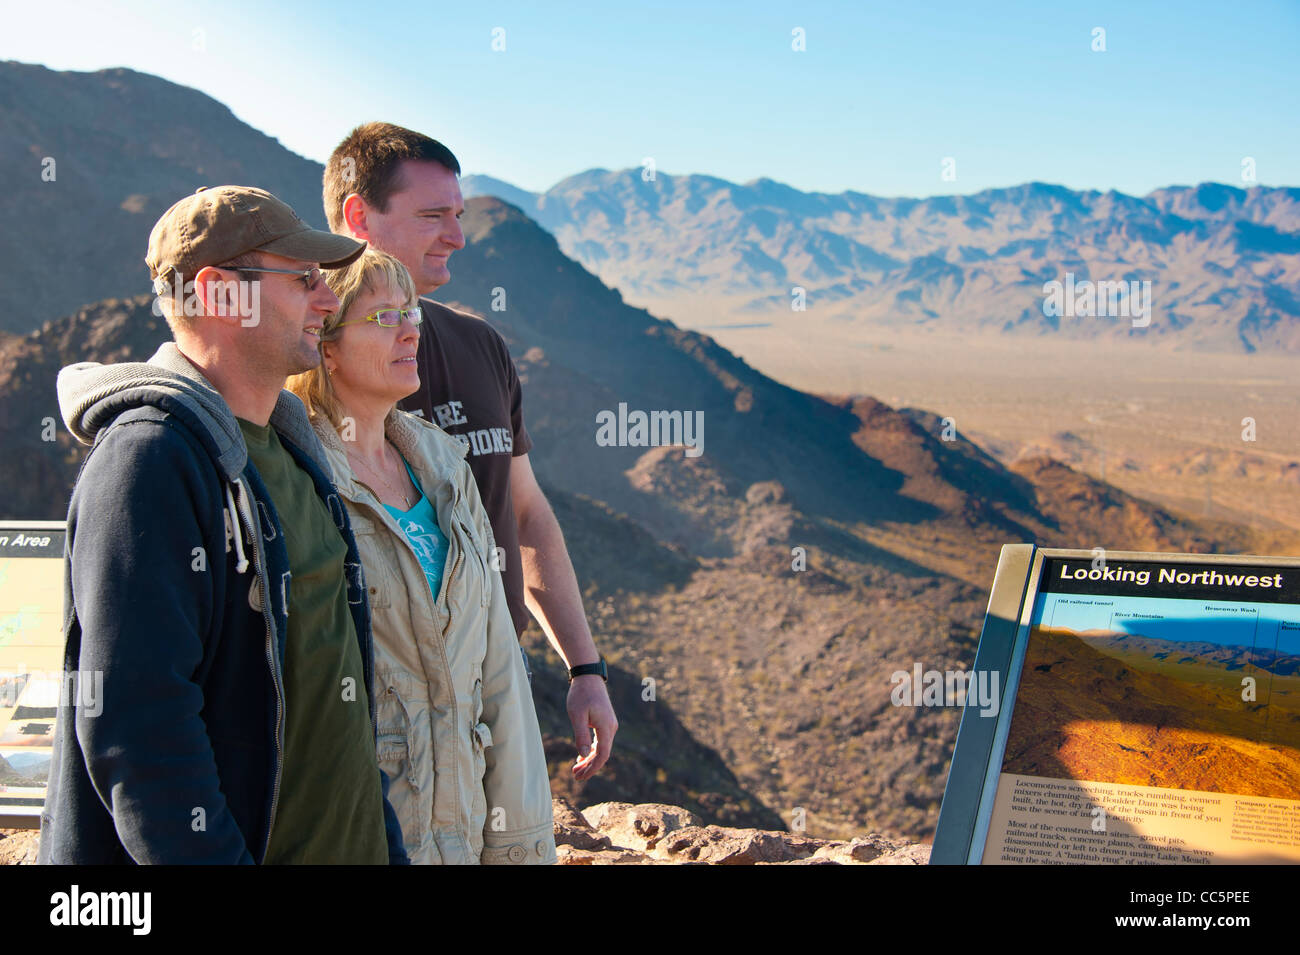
331,807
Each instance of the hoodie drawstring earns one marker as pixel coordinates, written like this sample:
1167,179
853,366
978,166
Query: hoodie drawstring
241,562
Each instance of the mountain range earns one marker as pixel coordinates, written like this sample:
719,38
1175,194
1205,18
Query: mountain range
1223,263
1228,657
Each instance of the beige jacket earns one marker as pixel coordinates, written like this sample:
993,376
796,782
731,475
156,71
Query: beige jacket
457,732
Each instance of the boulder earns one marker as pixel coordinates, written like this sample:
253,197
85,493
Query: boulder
571,829
568,855
720,845
18,846
915,854
638,827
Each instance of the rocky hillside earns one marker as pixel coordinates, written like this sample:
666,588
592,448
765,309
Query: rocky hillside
1150,723
93,159
39,449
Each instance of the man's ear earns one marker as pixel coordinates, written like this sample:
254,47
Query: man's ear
219,295
354,217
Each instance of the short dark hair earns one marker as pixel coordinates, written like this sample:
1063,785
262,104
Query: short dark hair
368,162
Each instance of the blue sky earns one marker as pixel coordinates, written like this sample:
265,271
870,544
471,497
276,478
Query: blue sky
881,96
1240,623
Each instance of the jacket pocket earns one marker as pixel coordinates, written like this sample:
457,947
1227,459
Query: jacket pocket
377,592
393,736
403,748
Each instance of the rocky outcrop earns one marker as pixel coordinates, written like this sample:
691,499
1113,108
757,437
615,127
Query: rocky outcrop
619,833
18,846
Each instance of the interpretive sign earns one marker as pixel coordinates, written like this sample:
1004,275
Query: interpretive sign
31,664
1151,714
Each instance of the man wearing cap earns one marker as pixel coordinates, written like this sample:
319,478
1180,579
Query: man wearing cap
212,578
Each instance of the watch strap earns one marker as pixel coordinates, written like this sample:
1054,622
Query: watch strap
584,669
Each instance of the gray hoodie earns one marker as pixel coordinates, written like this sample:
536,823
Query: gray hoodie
91,395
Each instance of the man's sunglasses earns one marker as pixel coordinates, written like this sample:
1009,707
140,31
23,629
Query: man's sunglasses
310,277
389,317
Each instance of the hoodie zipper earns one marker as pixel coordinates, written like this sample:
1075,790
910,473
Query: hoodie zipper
261,574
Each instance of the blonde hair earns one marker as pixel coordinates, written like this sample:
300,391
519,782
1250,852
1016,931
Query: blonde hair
373,269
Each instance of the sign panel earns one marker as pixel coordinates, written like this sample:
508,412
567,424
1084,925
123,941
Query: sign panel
1152,716
31,663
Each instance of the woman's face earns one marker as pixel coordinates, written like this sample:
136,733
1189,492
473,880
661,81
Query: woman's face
368,360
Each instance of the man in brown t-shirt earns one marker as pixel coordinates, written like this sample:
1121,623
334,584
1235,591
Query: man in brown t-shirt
397,190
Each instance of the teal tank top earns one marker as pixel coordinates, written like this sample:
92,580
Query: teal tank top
420,525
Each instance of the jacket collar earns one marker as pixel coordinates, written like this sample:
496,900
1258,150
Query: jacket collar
432,453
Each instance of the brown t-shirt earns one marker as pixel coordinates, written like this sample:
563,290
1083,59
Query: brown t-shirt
469,388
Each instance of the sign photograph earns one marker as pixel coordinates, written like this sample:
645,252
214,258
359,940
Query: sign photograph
1153,715
31,663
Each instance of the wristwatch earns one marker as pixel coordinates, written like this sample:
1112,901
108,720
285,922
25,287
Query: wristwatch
583,669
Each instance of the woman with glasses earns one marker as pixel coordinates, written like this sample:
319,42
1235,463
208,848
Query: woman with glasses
457,733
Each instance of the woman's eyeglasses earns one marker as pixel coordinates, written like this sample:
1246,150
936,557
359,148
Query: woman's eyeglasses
389,317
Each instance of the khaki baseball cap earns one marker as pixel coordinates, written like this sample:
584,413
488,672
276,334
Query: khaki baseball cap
218,223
